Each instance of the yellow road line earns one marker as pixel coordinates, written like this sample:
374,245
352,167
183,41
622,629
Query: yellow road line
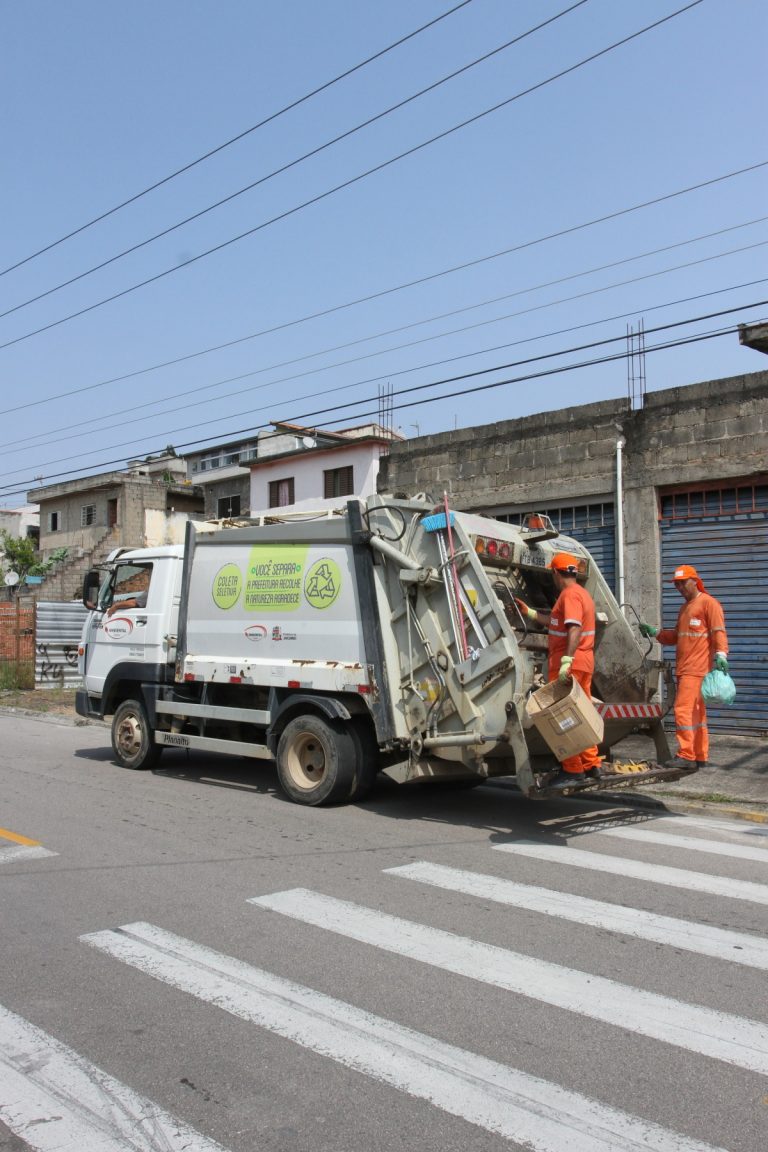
6,835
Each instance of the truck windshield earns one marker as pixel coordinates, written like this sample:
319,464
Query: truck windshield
128,584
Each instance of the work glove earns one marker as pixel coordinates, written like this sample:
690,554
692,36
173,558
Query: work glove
565,668
721,662
525,610
648,630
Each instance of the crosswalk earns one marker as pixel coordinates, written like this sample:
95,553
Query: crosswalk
527,1110
56,1101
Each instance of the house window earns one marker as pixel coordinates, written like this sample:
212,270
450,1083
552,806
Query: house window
338,482
281,492
87,515
54,521
227,506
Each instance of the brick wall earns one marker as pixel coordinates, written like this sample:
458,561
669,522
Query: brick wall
8,626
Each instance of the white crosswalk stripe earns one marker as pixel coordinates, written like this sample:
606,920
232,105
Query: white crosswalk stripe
721,943
733,1039
15,852
57,1101
537,1114
744,829
638,870
691,843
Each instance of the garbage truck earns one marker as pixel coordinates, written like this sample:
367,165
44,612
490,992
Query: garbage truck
381,637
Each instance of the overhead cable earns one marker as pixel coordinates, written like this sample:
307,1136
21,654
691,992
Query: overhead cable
350,182
391,290
286,167
435,383
234,139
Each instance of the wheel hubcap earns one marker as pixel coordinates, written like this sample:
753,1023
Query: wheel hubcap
129,737
306,761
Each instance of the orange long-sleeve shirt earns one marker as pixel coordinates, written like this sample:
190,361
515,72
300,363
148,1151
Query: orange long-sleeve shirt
574,605
698,635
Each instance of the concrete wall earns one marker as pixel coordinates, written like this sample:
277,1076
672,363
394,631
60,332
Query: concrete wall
705,432
235,484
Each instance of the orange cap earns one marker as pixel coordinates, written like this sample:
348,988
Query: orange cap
566,563
688,572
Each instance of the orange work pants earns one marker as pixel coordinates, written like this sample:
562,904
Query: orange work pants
589,758
691,719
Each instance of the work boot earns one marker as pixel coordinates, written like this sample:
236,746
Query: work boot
594,773
682,763
567,779
701,763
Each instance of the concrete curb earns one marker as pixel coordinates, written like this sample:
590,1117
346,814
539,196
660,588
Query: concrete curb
49,717
654,800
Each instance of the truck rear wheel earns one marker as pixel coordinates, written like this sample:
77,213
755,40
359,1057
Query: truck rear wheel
316,761
132,741
367,758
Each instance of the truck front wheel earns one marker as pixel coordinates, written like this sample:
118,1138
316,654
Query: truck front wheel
132,741
316,761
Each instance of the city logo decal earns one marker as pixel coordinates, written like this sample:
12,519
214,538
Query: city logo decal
117,626
255,632
322,583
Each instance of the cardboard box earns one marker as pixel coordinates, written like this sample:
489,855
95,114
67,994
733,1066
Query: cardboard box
565,717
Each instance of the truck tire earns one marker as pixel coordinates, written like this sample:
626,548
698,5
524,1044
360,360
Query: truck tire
367,758
316,761
132,741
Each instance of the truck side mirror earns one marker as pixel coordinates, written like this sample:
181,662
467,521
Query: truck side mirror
91,584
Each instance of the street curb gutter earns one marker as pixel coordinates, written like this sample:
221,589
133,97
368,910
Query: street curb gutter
681,804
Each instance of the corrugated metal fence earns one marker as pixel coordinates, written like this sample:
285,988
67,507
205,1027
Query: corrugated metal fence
57,635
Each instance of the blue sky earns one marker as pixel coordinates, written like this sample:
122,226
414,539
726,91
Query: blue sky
103,100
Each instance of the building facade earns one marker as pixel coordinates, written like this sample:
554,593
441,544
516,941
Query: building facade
299,468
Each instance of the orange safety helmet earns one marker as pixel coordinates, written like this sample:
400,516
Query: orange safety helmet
688,572
566,563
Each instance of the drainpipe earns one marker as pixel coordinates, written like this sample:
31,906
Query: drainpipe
620,520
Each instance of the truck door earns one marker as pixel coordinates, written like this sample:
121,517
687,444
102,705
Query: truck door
130,624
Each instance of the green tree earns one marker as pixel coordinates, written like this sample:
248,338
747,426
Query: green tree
19,555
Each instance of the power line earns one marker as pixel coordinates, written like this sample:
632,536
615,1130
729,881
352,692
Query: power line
43,440
240,136
353,180
447,380
594,362
291,164
396,288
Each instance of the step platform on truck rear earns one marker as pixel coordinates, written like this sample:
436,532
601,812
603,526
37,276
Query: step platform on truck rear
615,774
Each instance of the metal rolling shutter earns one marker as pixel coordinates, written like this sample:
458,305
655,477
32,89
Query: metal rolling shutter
593,525
723,532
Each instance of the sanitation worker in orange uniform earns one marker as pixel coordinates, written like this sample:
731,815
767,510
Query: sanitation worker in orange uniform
571,628
701,644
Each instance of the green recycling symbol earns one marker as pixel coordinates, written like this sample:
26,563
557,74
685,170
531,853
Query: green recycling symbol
323,583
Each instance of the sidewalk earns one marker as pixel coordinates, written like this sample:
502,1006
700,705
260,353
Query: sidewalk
736,777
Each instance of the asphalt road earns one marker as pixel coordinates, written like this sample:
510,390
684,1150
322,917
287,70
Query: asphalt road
188,960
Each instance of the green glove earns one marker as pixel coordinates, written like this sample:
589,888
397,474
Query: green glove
648,630
720,662
565,668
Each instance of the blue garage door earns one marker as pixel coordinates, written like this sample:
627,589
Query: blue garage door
593,525
723,532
